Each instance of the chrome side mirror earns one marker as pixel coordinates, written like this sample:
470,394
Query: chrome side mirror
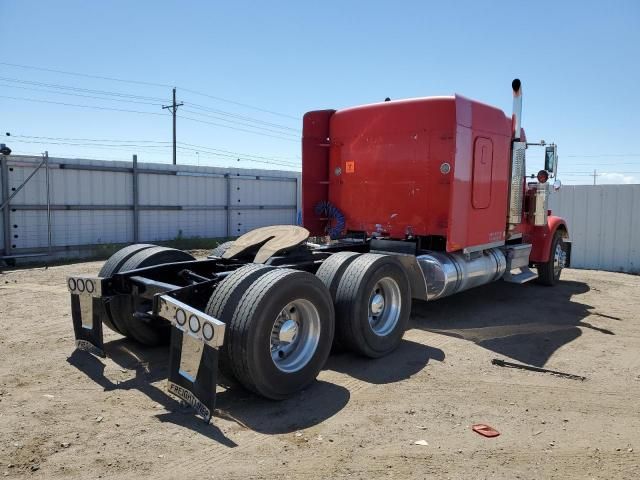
551,158
557,185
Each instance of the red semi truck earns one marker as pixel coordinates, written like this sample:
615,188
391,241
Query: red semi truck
410,199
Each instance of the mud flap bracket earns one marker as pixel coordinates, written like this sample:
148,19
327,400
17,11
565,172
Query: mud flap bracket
87,308
193,359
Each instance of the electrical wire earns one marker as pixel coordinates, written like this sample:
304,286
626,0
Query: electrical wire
138,82
161,114
118,142
81,95
123,97
238,123
86,139
127,147
242,117
238,158
80,89
153,113
599,155
81,106
238,129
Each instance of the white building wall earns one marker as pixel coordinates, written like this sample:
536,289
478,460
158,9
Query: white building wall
604,225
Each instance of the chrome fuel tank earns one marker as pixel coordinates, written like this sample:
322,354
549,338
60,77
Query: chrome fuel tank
449,273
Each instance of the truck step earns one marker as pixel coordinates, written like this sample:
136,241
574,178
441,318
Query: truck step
525,275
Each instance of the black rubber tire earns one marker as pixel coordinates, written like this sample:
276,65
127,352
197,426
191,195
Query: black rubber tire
220,249
330,272
115,261
251,325
224,300
111,266
352,305
546,273
124,306
332,269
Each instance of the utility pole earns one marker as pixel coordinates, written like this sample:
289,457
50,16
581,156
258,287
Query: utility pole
594,176
173,108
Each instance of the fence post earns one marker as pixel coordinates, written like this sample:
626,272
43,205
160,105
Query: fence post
136,210
48,183
6,220
228,182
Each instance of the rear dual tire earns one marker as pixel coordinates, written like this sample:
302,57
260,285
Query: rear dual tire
279,328
111,266
121,309
373,304
372,299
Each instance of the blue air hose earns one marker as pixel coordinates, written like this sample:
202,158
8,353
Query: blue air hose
329,210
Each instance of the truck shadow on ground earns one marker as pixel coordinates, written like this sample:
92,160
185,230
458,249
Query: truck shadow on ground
320,401
527,323
148,365
406,361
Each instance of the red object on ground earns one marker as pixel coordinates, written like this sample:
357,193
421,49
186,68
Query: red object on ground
485,430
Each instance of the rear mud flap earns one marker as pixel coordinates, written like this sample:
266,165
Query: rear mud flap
193,359
198,391
87,308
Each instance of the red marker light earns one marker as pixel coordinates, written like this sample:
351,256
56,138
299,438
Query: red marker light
543,176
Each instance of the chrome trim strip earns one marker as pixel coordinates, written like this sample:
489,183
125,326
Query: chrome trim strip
168,308
92,286
485,246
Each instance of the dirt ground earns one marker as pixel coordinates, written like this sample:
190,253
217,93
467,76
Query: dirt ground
66,415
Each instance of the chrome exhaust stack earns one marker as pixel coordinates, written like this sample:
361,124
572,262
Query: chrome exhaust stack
516,116
516,183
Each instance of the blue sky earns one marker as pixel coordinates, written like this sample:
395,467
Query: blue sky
578,62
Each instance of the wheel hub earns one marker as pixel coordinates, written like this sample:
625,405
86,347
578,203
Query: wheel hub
288,331
384,306
295,335
559,259
377,304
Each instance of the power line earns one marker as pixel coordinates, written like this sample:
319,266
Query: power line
112,148
189,147
88,139
238,158
150,113
138,82
81,95
238,123
239,129
81,106
242,117
599,155
94,144
246,105
606,172
123,97
234,153
79,89
137,141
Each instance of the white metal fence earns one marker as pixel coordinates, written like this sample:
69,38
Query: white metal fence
103,202
604,225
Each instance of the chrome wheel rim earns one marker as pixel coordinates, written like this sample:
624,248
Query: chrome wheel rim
385,302
295,336
559,259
